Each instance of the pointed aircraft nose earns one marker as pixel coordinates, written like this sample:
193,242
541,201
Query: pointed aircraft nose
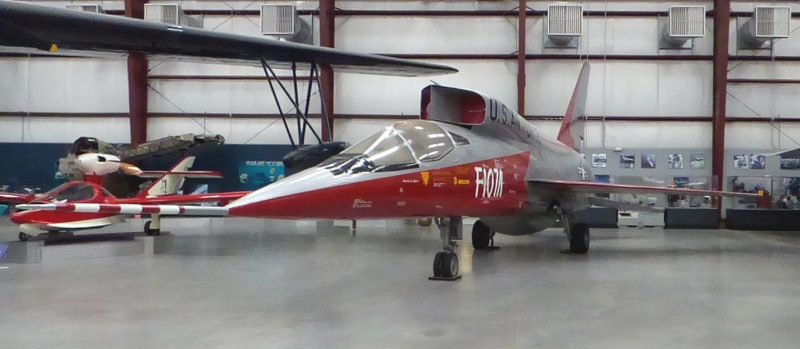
290,197
20,217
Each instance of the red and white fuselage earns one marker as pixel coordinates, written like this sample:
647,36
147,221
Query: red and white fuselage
471,157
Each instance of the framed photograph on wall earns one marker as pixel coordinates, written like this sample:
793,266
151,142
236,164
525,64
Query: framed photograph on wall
741,161
758,161
627,160
675,160
790,163
599,160
648,160
697,161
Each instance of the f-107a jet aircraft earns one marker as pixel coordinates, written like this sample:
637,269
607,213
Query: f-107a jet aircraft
467,155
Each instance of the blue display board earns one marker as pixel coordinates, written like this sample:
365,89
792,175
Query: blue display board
254,174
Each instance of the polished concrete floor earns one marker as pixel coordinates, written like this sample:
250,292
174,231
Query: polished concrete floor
272,284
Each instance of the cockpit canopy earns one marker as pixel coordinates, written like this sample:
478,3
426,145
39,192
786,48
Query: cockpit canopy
73,192
404,145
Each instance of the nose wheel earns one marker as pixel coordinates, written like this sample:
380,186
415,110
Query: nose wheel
445,263
445,266
153,227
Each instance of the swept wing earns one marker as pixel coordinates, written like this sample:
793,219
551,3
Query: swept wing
607,188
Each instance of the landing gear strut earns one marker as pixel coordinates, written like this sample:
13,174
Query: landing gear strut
24,237
153,227
445,263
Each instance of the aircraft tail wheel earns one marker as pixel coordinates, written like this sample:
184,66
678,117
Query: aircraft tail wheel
150,232
579,239
481,236
24,237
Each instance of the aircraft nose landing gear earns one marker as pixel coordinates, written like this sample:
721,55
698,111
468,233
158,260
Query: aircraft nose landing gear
445,263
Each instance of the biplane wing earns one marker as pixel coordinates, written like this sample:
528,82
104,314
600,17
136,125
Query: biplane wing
61,31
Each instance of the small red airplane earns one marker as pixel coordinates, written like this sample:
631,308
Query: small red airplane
91,192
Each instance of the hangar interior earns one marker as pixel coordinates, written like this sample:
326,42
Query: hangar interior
667,79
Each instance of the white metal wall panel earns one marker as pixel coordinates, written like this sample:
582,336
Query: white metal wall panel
384,95
684,135
63,130
12,129
622,88
430,35
64,85
763,70
549,86
235,130
750,135
685,88
220,96
653,135
623,35
14,85
630,89
767,101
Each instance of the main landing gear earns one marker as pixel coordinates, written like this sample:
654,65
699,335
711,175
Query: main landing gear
153,227
23,237
578,235
482,237
445,263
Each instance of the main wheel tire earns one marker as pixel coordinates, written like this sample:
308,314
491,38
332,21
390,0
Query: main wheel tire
481,236
425,222
579,241
437,264
23,237
450,265
150,232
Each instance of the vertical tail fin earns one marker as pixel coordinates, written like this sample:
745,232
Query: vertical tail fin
574,124
170,182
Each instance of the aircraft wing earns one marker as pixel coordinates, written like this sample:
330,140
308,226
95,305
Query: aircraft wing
597,201
61,31
187,174
169,210
185,199
607,188
16,198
